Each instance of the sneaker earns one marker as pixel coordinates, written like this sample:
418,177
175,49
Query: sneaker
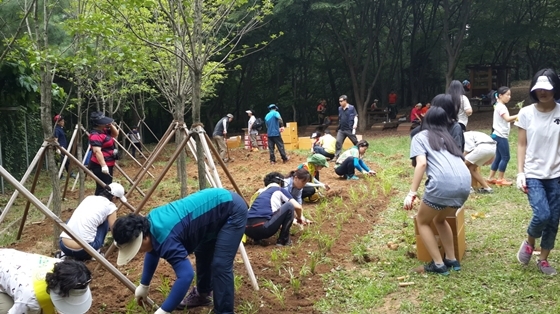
455,265
193,299
545,268
485,190
491,181
353,177
431,267
503,182
472,190
285,160
279,243
272,162
255,149
525,253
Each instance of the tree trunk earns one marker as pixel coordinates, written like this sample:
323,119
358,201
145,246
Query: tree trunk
196,75
179,115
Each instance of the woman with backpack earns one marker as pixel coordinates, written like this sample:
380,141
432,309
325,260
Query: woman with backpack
253,128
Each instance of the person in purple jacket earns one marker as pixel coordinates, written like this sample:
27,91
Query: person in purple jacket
210,224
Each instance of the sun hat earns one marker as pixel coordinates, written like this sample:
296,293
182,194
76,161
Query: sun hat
78,301
118,191
272,106
229,115
542,83
98,118
249,111
319,160
128,250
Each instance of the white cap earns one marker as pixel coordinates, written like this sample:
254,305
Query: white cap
78,301
249,111
127,251
118,191
542,83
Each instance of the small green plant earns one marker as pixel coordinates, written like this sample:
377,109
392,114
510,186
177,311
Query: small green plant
325,242
276,260
304,271
165,286
354,197
237,282
247,308
359,251
315,259
295,282
276,290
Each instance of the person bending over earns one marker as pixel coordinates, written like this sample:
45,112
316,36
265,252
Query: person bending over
351,160
209,223
91,221
37,284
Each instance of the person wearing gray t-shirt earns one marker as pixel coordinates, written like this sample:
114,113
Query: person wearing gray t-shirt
447,187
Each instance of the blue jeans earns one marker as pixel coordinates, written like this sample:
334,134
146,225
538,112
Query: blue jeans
96,244
214,258
544,198
502,154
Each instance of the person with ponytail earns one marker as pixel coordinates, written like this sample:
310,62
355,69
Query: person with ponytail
447,188
538,166
37,284
501,127
461,102
209,223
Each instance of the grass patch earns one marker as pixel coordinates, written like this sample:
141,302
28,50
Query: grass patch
491,281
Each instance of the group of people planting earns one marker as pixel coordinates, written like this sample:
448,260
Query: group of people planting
211,223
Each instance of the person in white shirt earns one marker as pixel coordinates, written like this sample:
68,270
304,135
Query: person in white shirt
252,132
480,150
501,127
37,284
464,108
91,221
538,166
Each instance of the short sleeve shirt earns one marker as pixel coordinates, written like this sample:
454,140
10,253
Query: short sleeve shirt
89,215
542,157
449,180
462,114
107,144
499,124
272,123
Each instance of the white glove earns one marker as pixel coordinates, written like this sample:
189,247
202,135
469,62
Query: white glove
58,151
409,200
160,311
105,169
521,182
141,293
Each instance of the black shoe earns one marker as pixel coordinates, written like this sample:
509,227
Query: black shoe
455,265
432,268
281,243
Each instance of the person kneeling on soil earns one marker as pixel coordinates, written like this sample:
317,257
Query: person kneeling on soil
351,160
91,221
272,210
314,164
480,150
210,224
326,145
295,182
34,284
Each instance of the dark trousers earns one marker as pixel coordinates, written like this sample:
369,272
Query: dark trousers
308,191
341,136
97,243
214,258
134,147
106,178
346,168
276,140
282,219
320,150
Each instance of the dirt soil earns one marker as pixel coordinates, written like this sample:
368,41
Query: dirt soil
247,169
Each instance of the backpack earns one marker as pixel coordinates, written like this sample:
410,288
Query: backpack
258,124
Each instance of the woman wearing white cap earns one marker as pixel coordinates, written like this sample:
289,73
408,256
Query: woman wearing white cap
538,166
91,221
37,284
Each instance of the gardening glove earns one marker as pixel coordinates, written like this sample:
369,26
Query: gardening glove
409,200
141,293
160,311
105,169
521,182
58,151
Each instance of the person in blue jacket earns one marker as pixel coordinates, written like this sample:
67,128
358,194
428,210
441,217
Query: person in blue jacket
351,160
210,224
275,126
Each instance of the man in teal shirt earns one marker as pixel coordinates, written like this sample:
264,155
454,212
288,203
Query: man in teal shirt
274,126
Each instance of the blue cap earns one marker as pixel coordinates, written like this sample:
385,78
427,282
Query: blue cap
272,106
